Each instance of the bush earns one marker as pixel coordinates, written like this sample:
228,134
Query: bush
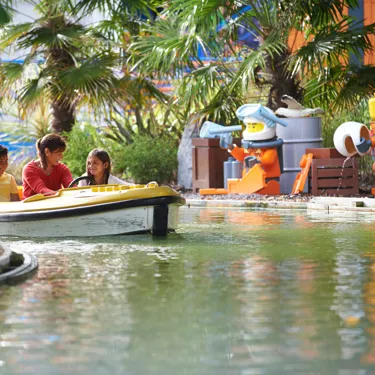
151,159
331,121
80,141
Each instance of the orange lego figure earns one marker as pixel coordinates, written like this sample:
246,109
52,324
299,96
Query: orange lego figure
261,152
267,157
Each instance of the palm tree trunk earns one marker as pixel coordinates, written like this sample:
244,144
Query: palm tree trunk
282,83
63,116
60,59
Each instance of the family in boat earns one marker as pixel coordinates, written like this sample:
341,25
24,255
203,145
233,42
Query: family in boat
47,174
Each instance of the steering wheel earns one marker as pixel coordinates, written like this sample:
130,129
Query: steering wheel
86,178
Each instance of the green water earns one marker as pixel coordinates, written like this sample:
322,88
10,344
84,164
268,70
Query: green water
233,292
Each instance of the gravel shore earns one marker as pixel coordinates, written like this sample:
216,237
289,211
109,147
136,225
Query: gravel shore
303,198
249,197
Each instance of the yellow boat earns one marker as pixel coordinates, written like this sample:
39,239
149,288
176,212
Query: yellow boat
93,211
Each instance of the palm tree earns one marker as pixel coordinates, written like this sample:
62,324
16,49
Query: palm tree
145,103
70,64
318,72
6,11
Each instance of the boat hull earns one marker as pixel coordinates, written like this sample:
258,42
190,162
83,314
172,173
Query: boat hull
75,213
120,221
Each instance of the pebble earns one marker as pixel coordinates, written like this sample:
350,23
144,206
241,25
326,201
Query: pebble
253,197
260,197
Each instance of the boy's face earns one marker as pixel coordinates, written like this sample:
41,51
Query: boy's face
3,164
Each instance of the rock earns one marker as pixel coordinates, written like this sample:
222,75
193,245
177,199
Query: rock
185,162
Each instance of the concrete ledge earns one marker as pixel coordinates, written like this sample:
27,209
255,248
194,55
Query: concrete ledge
317,203
344,202
246,204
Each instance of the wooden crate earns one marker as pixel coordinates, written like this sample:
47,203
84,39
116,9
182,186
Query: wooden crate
208,163
324,153
330,177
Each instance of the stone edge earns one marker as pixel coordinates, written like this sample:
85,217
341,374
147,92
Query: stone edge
246,204
278,205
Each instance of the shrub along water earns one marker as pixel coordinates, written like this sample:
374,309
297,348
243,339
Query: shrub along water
151,159
81,140
332,120
146,159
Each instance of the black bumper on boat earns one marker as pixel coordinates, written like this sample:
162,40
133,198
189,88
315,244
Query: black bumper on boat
89,210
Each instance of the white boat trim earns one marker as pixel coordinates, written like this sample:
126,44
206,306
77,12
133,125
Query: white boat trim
121,221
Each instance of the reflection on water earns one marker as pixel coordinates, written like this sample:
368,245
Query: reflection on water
233,292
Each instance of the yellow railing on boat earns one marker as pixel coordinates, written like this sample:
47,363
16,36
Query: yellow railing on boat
86,196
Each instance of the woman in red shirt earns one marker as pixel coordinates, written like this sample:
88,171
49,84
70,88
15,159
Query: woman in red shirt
46,175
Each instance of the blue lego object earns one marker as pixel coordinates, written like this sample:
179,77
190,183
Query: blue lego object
364,145
260,113
212,130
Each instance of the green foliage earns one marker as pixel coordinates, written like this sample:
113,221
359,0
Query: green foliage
40,119
151,159
149,118
78,67
84,138
316,73
6,12
81,140
332,120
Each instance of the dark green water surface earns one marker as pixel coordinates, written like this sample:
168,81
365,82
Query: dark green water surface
232,292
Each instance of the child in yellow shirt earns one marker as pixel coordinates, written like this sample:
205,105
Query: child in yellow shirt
8,186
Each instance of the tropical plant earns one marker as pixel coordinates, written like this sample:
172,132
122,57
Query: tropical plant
319,71
68,63
6,11
151,119
145,109
40,119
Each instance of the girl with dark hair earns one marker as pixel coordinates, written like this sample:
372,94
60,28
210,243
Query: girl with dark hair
98,166
47,174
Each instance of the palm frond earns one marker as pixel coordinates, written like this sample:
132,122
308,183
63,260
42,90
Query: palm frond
341,87
54,7
170,46
202,84
257,60
205,15
93,78
334,44
359,83
67,36
6,12
117,7
10,33
323,13
11,72
32,90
